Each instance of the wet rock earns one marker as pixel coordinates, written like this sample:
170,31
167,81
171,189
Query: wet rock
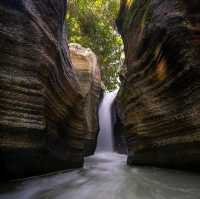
158,103
88,73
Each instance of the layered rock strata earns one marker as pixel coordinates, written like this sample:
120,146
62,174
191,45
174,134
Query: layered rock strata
40,96
88,73
119,132
158,101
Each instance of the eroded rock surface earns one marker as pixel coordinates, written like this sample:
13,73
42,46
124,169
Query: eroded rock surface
159,98
40,96
88,73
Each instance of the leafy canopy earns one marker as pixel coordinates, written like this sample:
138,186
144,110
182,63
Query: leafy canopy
91,23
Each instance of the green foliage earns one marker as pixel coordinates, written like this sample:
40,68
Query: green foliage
91,23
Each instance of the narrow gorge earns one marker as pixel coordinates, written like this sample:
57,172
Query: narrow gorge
72,127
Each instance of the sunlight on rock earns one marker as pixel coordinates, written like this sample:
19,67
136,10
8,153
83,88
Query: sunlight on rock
129,3
161,70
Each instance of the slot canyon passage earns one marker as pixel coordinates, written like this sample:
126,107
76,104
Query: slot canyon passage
63,136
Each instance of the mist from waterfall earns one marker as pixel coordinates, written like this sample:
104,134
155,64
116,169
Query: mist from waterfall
105,137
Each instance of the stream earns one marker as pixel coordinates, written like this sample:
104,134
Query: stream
106,176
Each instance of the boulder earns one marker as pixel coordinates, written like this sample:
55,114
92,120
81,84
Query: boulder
159,99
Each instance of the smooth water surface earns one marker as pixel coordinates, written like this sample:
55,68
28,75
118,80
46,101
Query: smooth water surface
106,176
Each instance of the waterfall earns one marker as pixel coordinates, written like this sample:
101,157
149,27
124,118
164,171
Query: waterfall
105,137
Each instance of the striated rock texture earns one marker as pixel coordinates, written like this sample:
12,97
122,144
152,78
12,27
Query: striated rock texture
159,100
40,95
119,132
88,73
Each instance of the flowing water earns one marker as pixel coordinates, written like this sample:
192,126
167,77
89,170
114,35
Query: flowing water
105,137
106,176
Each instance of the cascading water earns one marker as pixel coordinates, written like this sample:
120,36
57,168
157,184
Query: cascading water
105,138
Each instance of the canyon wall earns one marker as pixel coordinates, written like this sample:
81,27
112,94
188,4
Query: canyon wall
89,76
159,99
41,112
119,132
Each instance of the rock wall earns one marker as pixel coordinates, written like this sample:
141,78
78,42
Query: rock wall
119,132
40,96
88,73
158,101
